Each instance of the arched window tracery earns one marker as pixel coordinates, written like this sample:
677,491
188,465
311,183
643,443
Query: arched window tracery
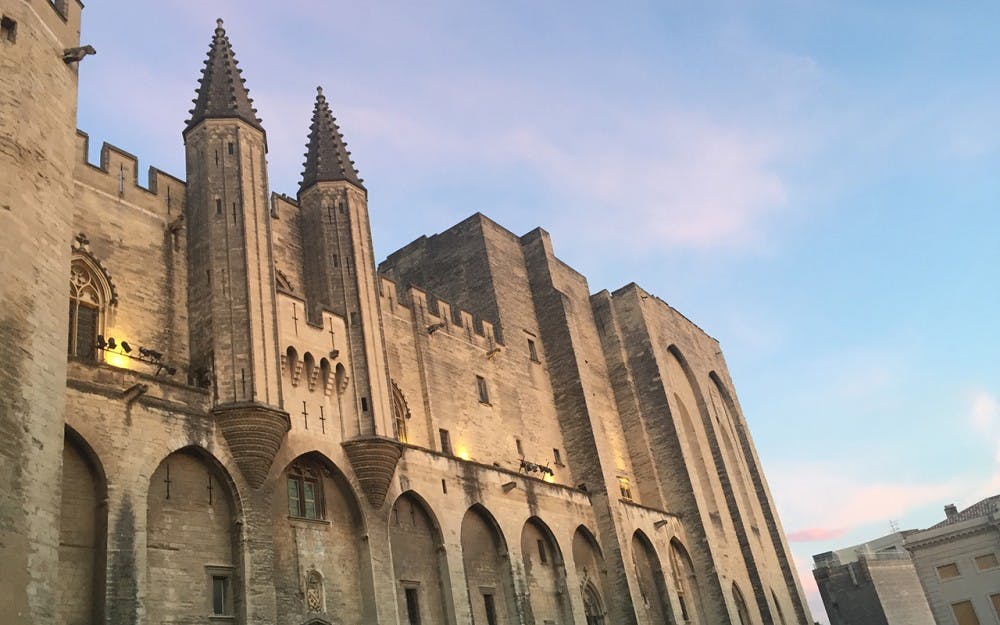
92,297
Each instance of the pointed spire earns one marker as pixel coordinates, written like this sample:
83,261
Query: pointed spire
327,158
223,91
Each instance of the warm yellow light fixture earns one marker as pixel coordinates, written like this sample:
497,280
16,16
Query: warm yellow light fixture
116,359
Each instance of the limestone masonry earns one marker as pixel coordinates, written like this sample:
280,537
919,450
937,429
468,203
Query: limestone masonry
215,408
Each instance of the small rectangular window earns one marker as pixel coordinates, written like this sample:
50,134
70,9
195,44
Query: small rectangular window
542,556
557,456
364,404
491,609
445,442
519,447
412,606
444,486
230,147
948,571
625,487
964,613
336,261
987,562
8,29
484,393
532,351
218,206
220,595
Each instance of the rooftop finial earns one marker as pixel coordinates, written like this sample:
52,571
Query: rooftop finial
218,24
319,91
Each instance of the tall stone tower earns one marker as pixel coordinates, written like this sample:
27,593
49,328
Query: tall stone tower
39,58
232,321
340,264
339,267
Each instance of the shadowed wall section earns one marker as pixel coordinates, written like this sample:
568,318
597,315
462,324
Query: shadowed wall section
418,562
82,531
547,600
191,540
316,514
653,605
592,573
487,569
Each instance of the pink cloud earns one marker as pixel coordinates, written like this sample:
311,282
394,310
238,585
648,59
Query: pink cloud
813,534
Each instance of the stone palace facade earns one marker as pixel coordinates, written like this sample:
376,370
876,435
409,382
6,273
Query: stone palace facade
216,408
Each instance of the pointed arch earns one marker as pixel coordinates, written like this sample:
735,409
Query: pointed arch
82,532
777,607
592,573
325,375
488,577
686,584
309,364
341,377
696,441
192,539
653,598
419,564
316,509
291,363
545,572
741,606
593,605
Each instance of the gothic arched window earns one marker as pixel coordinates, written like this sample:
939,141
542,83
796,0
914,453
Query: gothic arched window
90,297
400,413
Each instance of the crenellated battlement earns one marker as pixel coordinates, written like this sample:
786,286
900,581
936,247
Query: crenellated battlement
118,174
441,315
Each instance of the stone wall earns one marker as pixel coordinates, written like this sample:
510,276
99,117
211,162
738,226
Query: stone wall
37,119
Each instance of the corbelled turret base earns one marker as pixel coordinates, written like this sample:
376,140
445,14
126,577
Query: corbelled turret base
374,460
254,433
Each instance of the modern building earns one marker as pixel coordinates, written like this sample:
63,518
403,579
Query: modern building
214,407
958,561
874,583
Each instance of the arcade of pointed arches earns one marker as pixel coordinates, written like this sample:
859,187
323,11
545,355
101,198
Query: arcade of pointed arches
190,484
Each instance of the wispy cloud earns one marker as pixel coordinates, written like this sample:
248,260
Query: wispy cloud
814,534
853,498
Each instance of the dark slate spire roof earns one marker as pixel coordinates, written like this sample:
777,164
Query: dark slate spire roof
223,92
327,158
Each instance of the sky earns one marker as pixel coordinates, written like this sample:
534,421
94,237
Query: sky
815,183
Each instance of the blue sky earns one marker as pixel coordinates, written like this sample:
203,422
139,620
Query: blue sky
814,183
